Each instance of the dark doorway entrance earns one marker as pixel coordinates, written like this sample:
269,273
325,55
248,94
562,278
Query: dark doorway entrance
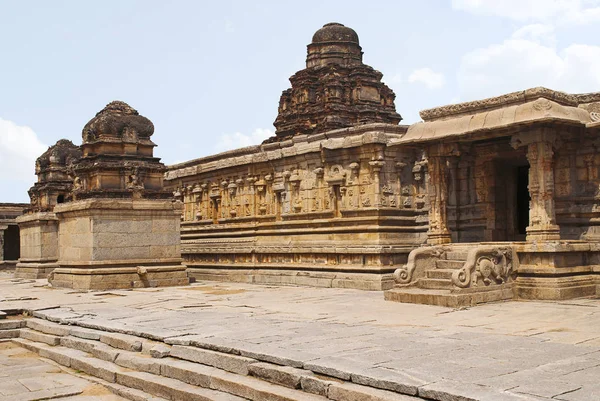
511,200
11,243
522,199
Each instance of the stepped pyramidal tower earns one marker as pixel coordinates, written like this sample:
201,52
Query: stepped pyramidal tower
335,90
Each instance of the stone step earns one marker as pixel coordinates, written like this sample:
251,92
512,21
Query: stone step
441,297
11,324
160,386
83,355
426,297
228,373
457,255
435,284
444,274
34,335
449,264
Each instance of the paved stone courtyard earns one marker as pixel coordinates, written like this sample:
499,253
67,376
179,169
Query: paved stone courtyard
524,350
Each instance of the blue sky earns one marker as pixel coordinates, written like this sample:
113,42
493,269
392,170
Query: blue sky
209,74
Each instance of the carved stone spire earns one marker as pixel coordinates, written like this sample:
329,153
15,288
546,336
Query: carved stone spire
118,157
335,90
54,184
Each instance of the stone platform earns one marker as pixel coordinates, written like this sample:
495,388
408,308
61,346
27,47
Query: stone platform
467,274
502,351
112,243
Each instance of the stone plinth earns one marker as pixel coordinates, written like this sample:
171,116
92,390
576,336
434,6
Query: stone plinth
558,270
119,243
39,245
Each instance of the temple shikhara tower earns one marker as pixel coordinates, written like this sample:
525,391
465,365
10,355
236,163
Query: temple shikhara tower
335,90
122,228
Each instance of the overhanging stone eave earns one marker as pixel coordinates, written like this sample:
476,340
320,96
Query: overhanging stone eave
492,132
499,102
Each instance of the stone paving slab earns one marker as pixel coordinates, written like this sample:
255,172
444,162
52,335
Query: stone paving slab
505,350
25,377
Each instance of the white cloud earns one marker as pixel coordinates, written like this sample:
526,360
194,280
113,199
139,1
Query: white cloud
239,140
229,26
541,33
518,63
560,11
19,147
428,77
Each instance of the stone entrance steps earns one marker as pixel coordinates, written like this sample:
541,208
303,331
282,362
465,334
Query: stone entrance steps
143,370
440,277
435,286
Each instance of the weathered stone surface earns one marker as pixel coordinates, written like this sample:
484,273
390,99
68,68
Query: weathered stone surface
78,343
105,352
282,375
121,341
160,351
48,327
39,337
348,391
387,380
137,362
10,333
170,388
96,367
315,385
82,332
187,372
11,324
231,363
27,378
474,345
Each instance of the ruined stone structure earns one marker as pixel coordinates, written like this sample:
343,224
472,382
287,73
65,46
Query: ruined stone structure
492,199
122,228
9,234
39,226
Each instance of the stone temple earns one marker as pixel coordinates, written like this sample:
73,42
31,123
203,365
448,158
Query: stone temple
481,201
485,200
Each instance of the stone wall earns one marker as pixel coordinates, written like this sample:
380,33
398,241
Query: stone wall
321,207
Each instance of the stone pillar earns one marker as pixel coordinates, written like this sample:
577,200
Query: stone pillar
438,201
2,228
540,154
376,166
437,162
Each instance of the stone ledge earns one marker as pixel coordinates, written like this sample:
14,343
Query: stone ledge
121,262
118,204
446,297
360,281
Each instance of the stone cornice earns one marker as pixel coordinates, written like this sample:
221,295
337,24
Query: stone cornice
299,144
508,99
